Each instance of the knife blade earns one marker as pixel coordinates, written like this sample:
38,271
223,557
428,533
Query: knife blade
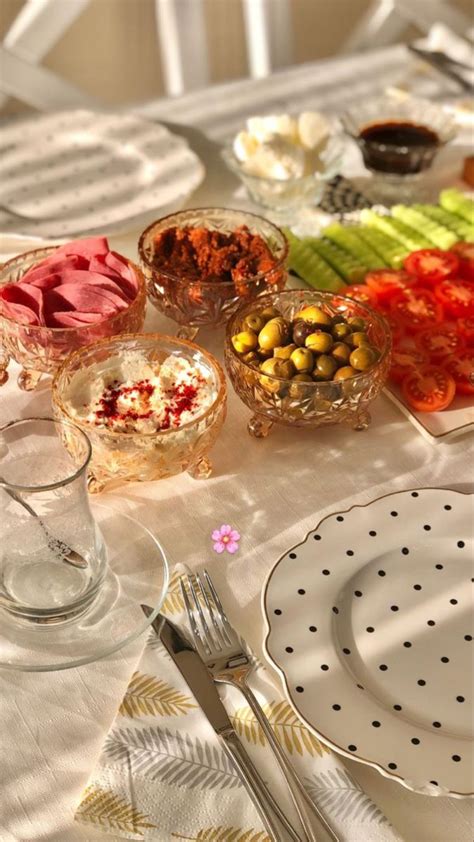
203,688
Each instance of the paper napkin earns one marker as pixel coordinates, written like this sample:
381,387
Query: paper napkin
163,775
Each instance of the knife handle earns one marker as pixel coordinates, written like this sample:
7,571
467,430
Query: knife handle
257,789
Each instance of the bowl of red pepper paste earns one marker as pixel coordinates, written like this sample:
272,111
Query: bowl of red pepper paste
200,264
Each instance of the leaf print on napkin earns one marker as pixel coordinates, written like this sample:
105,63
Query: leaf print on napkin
289,730
173,603
340,795
149,696
226,834
172,758
104,808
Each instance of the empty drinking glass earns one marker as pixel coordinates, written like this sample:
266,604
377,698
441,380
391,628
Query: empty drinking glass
52,554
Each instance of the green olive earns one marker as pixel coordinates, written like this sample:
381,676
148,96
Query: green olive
269,313
319,342
278,368
314,315
358,338
341,330
302,360
296,391
254,321
251,358
325,367
341,352
275,333
284,352
356,323
362,358
344,372
245,341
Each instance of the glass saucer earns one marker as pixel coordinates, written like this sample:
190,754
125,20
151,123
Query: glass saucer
137,573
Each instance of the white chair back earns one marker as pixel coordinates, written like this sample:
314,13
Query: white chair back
182,43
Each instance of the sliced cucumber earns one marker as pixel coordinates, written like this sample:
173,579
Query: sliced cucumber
459,226
348,267
310,266
396,229
345,238
391,251
439,235
456,202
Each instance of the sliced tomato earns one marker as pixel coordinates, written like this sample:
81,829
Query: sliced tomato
439,341
461,368
457,297
395,326
466,330
465,254
432,265
429,388
405,358
386,282
416,308
359,292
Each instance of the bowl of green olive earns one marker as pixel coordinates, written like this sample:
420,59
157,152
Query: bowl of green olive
307,359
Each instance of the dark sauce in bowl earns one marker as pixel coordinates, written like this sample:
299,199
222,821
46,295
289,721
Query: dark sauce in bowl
397,147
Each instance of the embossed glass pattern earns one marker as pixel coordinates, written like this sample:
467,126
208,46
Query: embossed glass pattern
41,350
309,404
192,303
119,457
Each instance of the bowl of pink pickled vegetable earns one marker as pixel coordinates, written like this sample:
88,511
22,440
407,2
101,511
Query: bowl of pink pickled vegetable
55,300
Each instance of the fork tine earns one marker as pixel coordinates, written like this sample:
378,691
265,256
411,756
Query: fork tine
219,629
232,636
198,638
213,646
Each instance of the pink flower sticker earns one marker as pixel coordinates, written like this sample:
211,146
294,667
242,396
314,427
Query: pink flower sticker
225,538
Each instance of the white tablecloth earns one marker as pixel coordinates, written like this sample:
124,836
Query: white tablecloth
273,492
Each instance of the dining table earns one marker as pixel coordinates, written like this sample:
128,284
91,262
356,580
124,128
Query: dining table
273,491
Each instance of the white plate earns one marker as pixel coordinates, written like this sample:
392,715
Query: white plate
80,171
370,624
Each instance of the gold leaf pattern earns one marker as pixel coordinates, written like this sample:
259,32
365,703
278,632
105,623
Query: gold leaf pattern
289,730
102,807
173,603
227,834
149,696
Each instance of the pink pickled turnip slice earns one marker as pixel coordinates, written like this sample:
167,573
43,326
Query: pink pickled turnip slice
120,265
72,319
26,296
45,283
88,247
18,313
88,299
54,265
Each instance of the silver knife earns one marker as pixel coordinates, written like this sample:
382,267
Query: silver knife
202,686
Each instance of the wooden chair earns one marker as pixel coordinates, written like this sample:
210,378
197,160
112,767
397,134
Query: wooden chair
181,36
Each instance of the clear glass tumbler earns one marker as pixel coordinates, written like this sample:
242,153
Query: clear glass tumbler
52,554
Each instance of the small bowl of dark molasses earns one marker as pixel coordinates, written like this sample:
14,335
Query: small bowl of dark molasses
399,140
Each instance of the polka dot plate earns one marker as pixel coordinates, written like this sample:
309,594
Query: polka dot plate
75,172
370,623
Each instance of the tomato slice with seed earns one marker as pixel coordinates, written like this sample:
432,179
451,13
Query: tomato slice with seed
457,297
359,292
386,282
405,358
439,341
465,254
429,388
466,330
432,265
461,368
416,308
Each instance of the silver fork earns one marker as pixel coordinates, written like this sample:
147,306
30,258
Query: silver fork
225,657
